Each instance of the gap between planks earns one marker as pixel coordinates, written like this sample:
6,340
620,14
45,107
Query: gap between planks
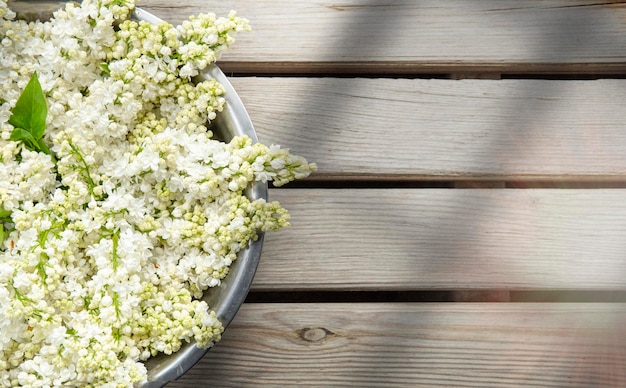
536,296
383,296
445,70
323,181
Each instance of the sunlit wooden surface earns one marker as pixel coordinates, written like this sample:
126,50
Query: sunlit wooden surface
471,154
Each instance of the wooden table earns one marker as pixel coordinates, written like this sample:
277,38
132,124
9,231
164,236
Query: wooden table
467,225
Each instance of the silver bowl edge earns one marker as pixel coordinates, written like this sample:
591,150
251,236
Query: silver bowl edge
227,298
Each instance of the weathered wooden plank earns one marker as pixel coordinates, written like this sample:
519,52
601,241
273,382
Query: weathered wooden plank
447,239
420,36
444,129
426,345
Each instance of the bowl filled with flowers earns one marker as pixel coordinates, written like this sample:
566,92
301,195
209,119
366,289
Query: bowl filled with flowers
133,195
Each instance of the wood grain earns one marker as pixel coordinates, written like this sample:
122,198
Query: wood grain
425,36
425,345
443,129
449,239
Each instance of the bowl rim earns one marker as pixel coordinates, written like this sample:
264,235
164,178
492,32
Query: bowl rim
227,298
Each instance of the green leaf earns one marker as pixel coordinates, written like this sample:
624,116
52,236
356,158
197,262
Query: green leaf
5,216
4,213
30,110
42,147
20,134
105,68
2,233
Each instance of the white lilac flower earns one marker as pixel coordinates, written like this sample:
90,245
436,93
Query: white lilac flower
106,248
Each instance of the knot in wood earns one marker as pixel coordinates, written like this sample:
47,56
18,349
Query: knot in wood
314,334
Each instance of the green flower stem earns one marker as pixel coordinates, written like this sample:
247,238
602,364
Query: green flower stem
114,255
84,167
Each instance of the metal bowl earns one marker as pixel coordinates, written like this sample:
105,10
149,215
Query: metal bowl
226,299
